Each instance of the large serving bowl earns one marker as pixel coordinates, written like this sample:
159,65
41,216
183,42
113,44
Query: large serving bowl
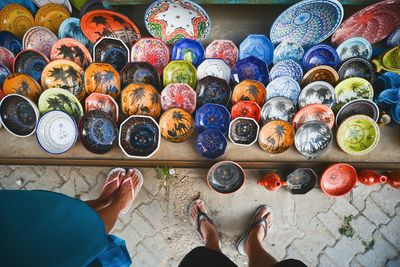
226,177
338,179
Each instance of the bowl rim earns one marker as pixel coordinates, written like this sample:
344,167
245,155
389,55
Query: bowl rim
243,118
114,39
306,109
223,162
335,165
317,68
357,100
107,96
206,62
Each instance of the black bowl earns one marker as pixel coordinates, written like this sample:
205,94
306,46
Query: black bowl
226,177
140,72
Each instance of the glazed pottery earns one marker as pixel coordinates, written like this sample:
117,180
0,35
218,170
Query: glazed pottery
18,115
30,62
102,102
223,49
243,131
284,86
153,51
308,22
318,92
321,73
226,177
314,112
51,16
100,23
214,67
17,19
278,108
358,135
394,113
4,72
140,72
214,90
78,4
189,50
276,136
389,97
112,51
249,90
102,78
250,68
321,54
71,28
394,38
212,116
6,57
173,20
300,181
355,107
259,46
72,50
139,136
176,125
65,3
393,178
39,39
389,61
247,109
60,99
370,177
57,132
141,99
351,89
357,67
22,84
338,179
211,144
373,23
180,71
271,181
26,3
354,47
178,95
288,68
387,80
98,131
10,41
313,138
288,51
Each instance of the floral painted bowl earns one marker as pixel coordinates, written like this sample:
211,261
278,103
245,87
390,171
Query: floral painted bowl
338,179
178,95
6,58
259,46
213,90
250,68
22,84
103,102
189,50
226,177
318,92
112,51
212,116
354,47
357,67
4,72
288,51
394,38
288,68
351,89
211,144
243,131
17,19
10,41
30,62
73,50
214,67
314,112
180,71
39,39
102,78
321,54
284,86
276,136
246,109
321,73
249,90
358,107
223,49
313,139
71,28
176,125
301,181
140,72
278,108
51,16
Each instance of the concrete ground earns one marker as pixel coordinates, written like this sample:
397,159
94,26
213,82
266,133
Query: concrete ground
157,231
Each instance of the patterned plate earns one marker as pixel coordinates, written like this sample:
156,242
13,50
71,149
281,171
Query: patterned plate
178,95
16,19
180,71
212,116
314,112
51,16
214,67
223,49
31,62
71,28
288,68
112,51
351,89
243,131
284,86
39,39
73,50
288,50
190,50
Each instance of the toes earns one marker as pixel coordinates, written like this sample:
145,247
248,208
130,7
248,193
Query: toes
201,205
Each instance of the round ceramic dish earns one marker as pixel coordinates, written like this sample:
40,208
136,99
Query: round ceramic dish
212,116
225,50
6,57
73,50
321,54
351,89
104,103
112,51
278,108
357,67
313,139
288,68
388,60
10,41
102,78
321,73
301,181
354,47
259,46
211,144
17,19
213,90
249,90
71,28
30,62
318,92
39,39
22,84
140,72
226,177
178,95
288,51
214,67
394,38
176,125
250,68
276,136
314,112
141,99
189,50
4,72
51,16
65,3
284,86
358,107
243,131
247,109
180,71
338,179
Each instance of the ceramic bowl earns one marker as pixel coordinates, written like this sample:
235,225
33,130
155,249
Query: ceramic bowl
189,50
177,125
98,131
288,51
284,86
102,102
321,73
178,95
65,3
22,84
25,3
213,90
10,41
388,97
358,135
288,68
73,50
259,46
140,72
357,67
314,112
318,92
226,177
394,38
301,181
246,109
30,62
250,68
17,19
321,54
112,51
180,71
355,107
71,28
276,136
338,179
51,16
4,72
313,139
211,144
212,116
6,57
214,67
278,108
351,89
249,90
102,78
387,80
225,50
19,115
394,113
388,61
354,47
139,136
243,131
78,4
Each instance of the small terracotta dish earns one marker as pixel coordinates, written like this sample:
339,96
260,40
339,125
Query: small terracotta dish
287,68
259,46
249,90
103,102
140,72
250,68
288,51
284,86
212,116
211,144
351,89
22,84
243,131
226,177
30,62
321,54
10,41
355,107
214,67
314,112
51,16
176,125
6,57
102,78
357,67
354,47
301,181
276,136
178,95
318,92
73,50
213,90
278,108
247,109
17,19
223,49
71,28
189,50
321,73
39,39
112,51
313,139
338,179
180,71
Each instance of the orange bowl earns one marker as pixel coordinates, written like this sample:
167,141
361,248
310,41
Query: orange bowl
338,179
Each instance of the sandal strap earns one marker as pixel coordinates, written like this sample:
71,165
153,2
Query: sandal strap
201,216
263,222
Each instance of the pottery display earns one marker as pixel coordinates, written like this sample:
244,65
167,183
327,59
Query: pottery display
313,138
338,179
388,61
387,80
226,177
278,108
284,86
351,89
189,50
212,116
259,46
102,78
288,51
214,90
321,73
51,16
214,67
171,20
276,136
112,51
178,95
22,84
370,177
243,131
388,97
71,28
357,67
73,50
30,62
250,68
354,47
246,109
271,181
176,125
210,144
223,49
180,71
39,39
140,72
314,112
6,57
4,72
300,181
249,90
318,92
65,3
394,38
321,54
288,68
10,41
355,107
17,19
102,102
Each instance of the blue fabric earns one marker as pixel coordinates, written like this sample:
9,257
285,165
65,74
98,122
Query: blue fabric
115,255
26,3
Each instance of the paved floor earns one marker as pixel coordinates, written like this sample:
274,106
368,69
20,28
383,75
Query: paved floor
306,227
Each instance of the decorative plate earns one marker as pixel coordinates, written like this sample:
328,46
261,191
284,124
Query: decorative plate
51,16
73,50
39,39
173,20
287,68
214,90
212,116
276,136
214,67
321,73
351,89
288,51
4,72
104,103
357,67
249,90
71,28
65,3
250,68
243,131
223,49
17,19
394,38
6,57
178,95
313,139
10,41
301,181
26,3
226,177
319,92
338,179
354,47
321,54
140,72
106,23
314,112
189,50
22,84
278,108
211,144
112,51
30,62
308,22
176,125
388,61
358,135
259,46
180,71
284,86
358,107
102,78
246,109
141,99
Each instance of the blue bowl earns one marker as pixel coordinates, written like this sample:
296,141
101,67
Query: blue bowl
320,55
212,116
259,46
288,50
70,28
386,81
10,41
4,72
394,38
394,113
389,97
211,144
250,68
190,50
214,90
288,68
30,62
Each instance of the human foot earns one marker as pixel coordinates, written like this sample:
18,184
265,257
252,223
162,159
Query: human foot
112,184
129,189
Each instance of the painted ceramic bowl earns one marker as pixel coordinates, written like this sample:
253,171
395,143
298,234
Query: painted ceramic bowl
355,107
313,139
71,28
338,179
314,112
178,95
389,97
223,49
10,41
22,84
78,4
153,51
211,144
212,116
139,136
226,177
141,99
189,50
246,109
358,135
308,22
276,136
387,80
26,3
278,108
112,51
301,181
51,16
214,90
288,68
388,61
65,3
102,102
250,68
39,39
284,86
351,89
354,47
98,131
394,38
102,78
19,115
56,132
321,54
259,46
60,99
73,50
288,51
176,125
30,62
4,72
6,58
172,21
249,90
243,131
214,67
180,71
140,72
357,67
394,113
17,19
321,73
319,92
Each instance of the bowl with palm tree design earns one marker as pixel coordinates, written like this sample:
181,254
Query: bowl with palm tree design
356,47
313,138
113,51
249,90
276,136
176,125
357,67
22,84
318,92
102,102
102,78
140,72
30,62
73,50
278,108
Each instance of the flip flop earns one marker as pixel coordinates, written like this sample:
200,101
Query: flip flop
110,181
133,192
254,222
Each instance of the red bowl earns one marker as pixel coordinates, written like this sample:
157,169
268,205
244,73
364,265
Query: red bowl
338,179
